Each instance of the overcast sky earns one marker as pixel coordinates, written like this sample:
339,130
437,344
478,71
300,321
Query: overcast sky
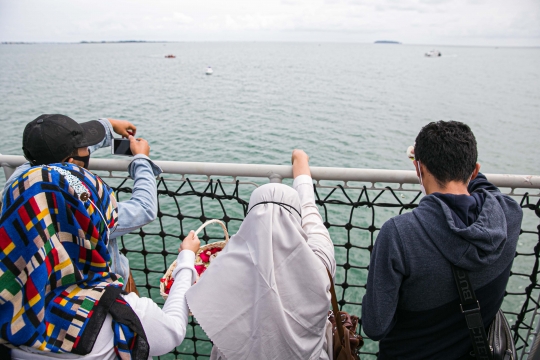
441,22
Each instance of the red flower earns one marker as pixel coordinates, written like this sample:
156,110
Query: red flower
200,269
205,255
168,285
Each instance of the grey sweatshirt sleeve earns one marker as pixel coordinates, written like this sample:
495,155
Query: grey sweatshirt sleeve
386,270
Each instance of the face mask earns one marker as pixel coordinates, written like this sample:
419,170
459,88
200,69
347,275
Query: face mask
84,159
422,188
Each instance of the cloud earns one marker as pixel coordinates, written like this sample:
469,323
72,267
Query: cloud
436,2
411,21
182,18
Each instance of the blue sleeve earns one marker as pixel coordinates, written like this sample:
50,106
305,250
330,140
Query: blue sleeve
18,172
481,182
386,271
107,139
142,207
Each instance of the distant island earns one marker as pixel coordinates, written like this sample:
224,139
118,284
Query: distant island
81,42
16,43
386,42
116,42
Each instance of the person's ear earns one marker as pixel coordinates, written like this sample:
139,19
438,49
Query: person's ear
475,171
69,160
416,167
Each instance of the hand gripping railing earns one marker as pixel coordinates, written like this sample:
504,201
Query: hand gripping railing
354,204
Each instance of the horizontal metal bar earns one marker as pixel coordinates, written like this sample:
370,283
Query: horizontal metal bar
285,171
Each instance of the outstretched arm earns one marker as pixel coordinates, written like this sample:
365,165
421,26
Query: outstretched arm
121,127
166,328
142,207
318,237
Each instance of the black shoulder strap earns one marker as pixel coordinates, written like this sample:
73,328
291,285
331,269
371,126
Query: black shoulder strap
470,307
5,352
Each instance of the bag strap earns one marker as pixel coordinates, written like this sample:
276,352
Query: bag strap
335,309
470,307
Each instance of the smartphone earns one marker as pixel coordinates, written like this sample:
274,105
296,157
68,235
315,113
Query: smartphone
121,147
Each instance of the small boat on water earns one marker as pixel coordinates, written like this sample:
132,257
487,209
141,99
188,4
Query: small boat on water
433,53
209,71
170,56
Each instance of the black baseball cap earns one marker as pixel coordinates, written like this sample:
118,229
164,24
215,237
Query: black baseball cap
53,137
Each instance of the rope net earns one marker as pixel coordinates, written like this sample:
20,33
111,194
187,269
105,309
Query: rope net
353,216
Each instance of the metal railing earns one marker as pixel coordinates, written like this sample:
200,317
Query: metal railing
275,173
354,204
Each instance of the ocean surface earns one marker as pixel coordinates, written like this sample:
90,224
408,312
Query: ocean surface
346,105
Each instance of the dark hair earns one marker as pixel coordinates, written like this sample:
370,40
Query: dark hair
74,153
448,150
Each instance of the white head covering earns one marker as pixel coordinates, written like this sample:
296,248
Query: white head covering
266,295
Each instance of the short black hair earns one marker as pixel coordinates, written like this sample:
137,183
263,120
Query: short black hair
448,150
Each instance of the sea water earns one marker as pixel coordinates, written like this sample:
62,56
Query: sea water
346,105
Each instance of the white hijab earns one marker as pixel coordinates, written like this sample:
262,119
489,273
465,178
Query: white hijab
266,295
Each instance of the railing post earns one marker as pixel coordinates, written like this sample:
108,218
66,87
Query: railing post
275,178
8,170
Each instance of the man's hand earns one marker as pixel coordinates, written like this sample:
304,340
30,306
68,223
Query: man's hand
300,163
139,146
190,242
123,127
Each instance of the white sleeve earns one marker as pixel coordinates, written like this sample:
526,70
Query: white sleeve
318,237
166,328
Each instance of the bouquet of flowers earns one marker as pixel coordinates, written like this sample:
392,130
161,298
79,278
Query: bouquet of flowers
203,258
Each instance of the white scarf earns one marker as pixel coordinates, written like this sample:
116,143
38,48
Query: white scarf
266,295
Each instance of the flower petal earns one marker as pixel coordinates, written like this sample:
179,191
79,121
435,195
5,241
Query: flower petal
204,257
200,269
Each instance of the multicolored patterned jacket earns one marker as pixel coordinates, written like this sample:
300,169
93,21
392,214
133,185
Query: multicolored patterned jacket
56,287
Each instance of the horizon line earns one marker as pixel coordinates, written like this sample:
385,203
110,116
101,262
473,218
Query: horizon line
89,42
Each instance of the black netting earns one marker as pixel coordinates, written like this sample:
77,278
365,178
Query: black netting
353,216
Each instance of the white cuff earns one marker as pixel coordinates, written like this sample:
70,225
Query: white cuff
302,179
186,260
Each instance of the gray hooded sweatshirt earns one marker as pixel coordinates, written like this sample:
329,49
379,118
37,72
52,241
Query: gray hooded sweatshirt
411,303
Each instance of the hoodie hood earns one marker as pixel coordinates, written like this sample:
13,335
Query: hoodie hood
469,231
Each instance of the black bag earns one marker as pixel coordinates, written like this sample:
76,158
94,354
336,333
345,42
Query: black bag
500,338
498,344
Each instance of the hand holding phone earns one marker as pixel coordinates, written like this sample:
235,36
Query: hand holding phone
139,146
130,146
